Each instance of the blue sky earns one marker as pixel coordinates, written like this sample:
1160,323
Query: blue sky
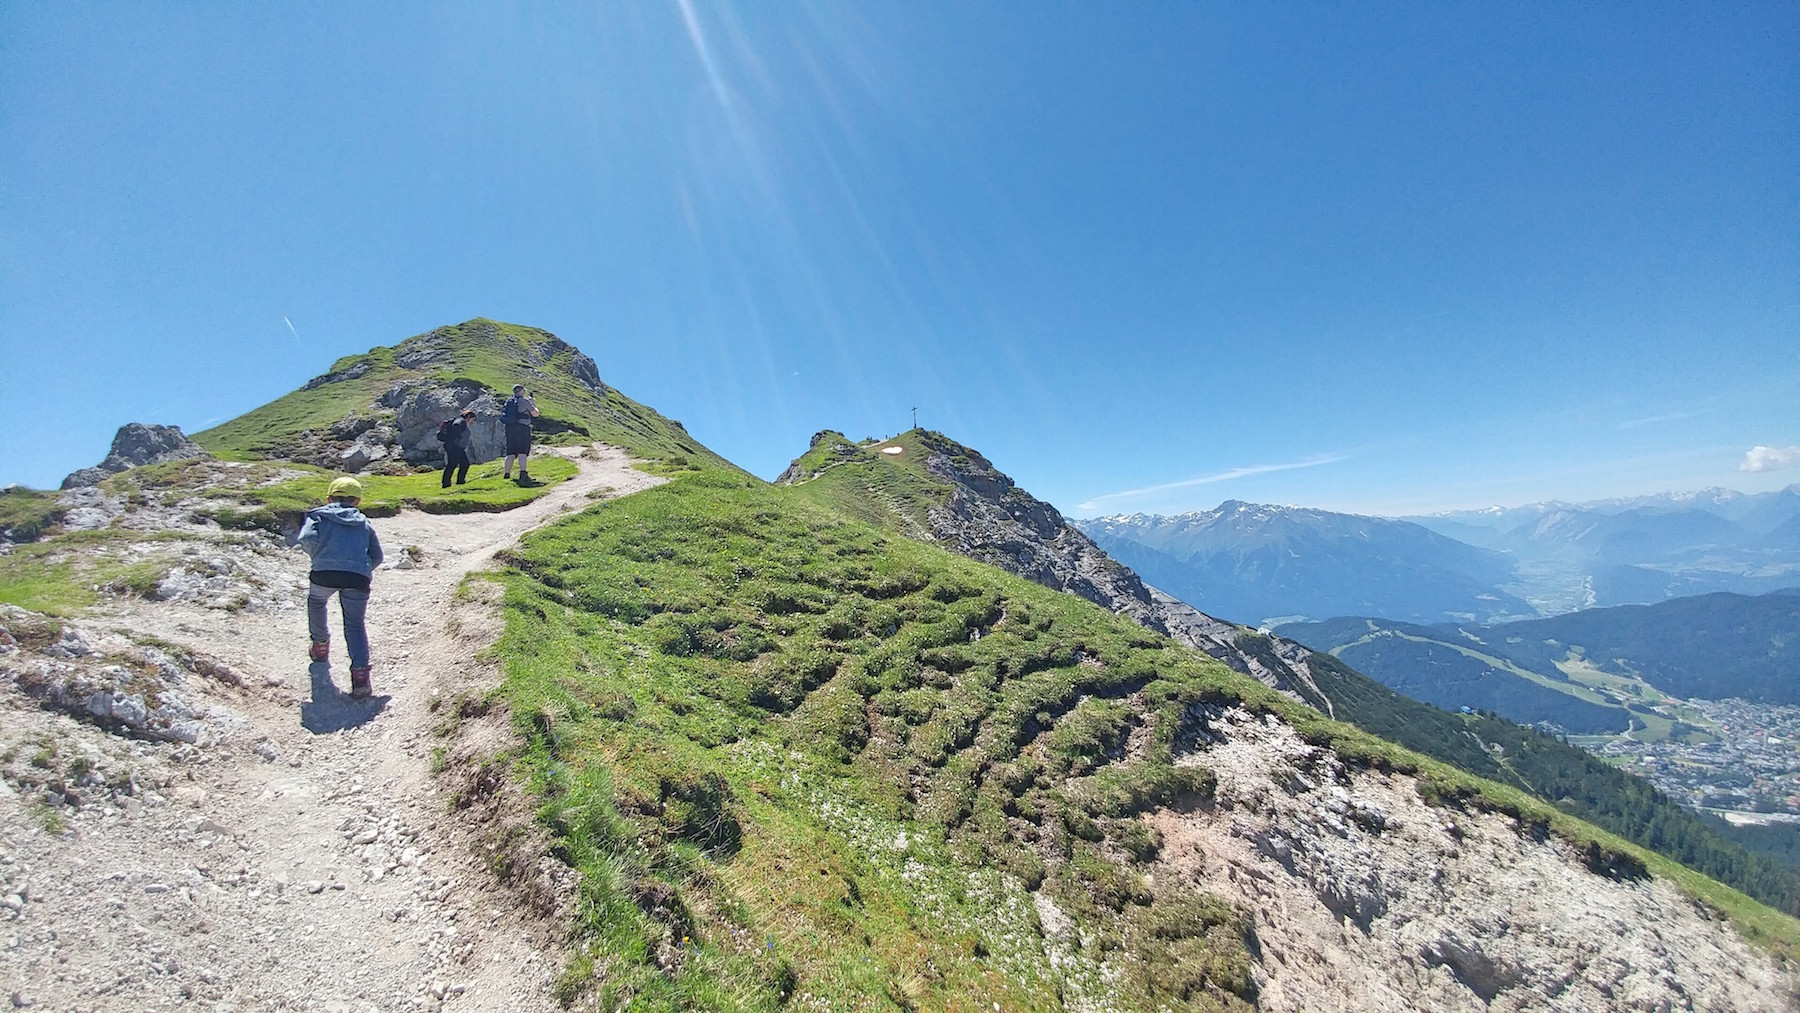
1145,256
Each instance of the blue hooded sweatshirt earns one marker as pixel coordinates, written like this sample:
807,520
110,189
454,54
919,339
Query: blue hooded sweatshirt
339,538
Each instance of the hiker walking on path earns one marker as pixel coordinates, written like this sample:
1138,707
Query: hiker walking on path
345,553
454,434
516,415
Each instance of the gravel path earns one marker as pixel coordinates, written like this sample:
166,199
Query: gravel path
297,856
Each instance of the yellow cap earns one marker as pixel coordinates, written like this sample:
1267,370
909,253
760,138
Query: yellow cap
346,487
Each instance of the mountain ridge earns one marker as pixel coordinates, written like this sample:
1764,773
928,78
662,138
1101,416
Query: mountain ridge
981,513
747,744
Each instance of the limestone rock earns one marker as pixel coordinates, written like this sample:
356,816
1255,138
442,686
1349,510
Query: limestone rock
355,372
142,689
419,406
138,444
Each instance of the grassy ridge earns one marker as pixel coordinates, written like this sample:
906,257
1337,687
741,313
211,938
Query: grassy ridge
871,483
792,754
496,355
895,491
64,574
795,724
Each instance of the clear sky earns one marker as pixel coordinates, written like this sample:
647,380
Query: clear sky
1144,256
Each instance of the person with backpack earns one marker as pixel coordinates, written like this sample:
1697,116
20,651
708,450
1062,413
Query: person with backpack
454,435
516,416
345,553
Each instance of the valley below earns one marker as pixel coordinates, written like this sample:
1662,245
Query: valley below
1743,765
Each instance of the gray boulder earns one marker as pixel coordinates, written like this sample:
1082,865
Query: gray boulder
138,444
85,477
419,406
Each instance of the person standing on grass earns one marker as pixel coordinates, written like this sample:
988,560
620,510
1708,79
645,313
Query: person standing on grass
455,436
516,416
345,553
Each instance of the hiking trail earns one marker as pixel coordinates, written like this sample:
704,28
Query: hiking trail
299,855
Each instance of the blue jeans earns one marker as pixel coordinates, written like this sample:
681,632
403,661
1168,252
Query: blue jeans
355,605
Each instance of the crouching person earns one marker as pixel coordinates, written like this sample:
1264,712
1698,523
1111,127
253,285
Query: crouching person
345,553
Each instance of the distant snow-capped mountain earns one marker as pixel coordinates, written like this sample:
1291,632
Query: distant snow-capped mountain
1253,561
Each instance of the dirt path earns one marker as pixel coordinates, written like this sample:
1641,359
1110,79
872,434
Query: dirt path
305,861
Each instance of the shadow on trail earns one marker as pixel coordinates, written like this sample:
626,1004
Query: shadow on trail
330,711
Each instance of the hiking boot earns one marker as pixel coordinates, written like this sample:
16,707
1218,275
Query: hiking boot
359,682
321,650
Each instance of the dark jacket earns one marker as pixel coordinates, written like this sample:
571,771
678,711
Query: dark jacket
456,437
338,537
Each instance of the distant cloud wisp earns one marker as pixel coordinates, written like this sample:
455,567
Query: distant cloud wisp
1224,476
1769,458
1657,419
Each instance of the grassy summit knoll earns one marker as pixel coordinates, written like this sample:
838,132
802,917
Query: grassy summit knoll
794,756
574,403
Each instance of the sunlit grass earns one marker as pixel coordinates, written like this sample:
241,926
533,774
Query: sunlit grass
860,753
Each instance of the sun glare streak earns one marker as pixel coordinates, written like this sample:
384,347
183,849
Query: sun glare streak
702,50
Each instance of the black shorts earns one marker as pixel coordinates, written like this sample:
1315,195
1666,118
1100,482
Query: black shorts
518,439
339,579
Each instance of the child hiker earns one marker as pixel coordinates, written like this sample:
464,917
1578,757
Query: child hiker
345,553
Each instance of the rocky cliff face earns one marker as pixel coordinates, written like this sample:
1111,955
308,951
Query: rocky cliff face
1365,897
137,444
989,518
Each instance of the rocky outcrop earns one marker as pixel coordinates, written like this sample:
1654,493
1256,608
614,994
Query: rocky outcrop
134,445
112,682
420,405
579,365
1362,896
987,517
398,431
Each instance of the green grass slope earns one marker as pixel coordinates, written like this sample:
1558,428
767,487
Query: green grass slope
796,757
881,482
493,354
28,514
276,497
895,491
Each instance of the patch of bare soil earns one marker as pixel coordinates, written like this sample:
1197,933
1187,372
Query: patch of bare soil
193,816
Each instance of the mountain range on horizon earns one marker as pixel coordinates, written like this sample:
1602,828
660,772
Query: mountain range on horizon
1259,562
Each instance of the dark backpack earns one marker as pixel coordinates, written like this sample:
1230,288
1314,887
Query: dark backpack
509,412
443,433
